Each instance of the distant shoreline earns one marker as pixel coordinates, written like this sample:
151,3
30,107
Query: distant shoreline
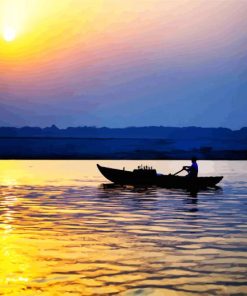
110,148
154,143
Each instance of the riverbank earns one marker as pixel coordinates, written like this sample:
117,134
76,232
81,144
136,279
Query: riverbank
120,148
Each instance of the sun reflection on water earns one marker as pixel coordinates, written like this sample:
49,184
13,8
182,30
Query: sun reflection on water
14,264
82,239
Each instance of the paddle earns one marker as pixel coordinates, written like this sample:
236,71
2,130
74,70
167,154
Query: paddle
178,172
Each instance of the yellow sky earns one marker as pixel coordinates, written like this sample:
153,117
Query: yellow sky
38,30
38,25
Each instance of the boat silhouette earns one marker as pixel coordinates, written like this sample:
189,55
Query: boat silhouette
143,176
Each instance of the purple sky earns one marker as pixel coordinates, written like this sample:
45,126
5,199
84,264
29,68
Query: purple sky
123,63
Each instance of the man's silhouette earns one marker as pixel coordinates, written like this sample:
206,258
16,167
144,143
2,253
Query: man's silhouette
193,169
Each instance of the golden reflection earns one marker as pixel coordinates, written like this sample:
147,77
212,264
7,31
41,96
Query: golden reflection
36,172
13,264
8,181
33,252
76,172
54,241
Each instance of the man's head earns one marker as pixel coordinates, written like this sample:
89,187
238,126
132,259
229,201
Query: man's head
193,159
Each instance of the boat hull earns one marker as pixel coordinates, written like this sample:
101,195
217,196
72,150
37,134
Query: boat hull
123,177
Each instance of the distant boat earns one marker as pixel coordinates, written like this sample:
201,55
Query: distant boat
151,178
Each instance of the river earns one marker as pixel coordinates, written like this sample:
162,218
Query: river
63,233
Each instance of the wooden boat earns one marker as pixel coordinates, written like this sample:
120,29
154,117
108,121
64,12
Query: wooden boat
151,178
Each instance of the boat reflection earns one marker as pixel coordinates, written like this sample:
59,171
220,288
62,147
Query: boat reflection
145,189
142,195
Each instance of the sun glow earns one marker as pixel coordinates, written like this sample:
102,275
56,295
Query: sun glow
9,34
13,18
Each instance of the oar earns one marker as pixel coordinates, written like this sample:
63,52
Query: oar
178,172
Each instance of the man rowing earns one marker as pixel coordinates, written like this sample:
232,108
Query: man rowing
193,169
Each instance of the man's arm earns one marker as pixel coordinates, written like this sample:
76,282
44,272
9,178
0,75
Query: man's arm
187,168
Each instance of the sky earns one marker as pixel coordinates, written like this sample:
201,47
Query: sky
121,63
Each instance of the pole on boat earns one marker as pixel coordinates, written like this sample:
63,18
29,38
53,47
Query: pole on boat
178,172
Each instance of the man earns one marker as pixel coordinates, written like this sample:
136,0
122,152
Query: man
193,169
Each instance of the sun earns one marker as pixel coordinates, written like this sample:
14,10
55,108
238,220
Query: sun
9,34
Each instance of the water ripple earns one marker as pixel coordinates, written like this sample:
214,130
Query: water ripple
87,240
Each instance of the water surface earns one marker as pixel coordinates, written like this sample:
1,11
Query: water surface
62,233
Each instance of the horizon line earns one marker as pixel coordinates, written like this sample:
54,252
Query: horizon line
126,127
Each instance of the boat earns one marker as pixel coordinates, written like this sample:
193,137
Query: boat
149,177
